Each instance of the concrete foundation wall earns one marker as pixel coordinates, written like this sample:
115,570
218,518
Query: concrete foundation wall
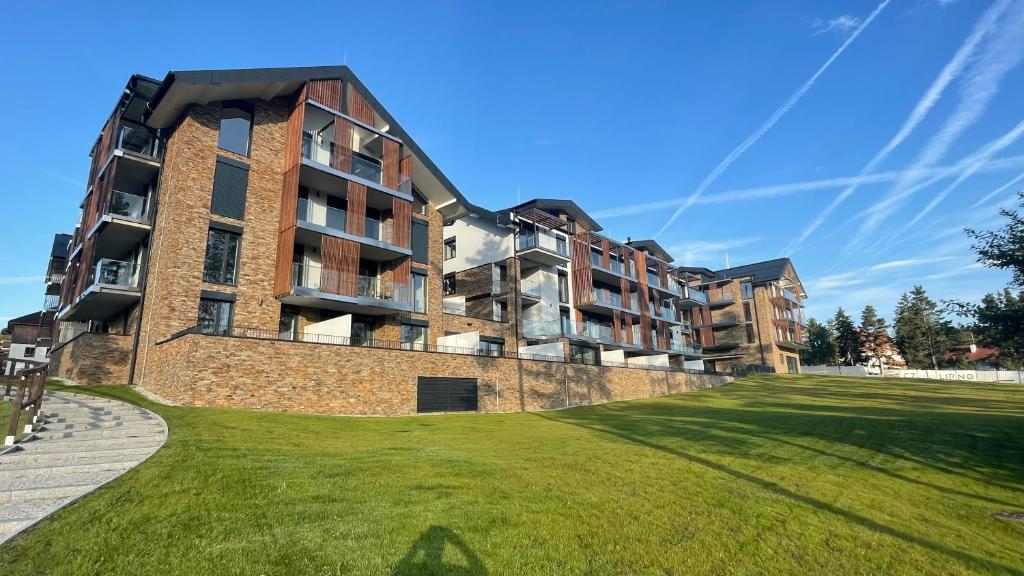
93,359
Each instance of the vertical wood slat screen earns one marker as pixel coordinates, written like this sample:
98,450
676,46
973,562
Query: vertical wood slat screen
627,323
326,92
402,272
405,174
356,219
401,222
582,273
358,108
330,264
293,135
283,268
605,258
349,267
341,158
289,199
389,164
616,326
643,289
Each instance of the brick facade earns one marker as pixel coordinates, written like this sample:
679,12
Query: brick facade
92,359
323,379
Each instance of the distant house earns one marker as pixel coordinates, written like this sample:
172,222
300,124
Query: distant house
981,357
30,340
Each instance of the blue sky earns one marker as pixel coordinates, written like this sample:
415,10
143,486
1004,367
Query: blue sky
754,117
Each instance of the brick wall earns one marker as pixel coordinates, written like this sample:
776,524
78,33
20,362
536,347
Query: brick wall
93,359
324,379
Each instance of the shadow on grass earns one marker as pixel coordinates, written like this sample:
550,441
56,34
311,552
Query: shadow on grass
426,556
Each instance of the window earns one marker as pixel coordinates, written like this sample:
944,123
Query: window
221,257
449,249
421,242
419,292
750,333
448,284
235,129
230,182
362,332
491,346
563,288
500,312
747,290
582,354
215,316
30,351
419,205
302,206
746,311
414,336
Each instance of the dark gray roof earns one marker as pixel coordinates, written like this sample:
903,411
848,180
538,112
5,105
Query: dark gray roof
179,87
32,319
556,205
60,246
652,247
759,271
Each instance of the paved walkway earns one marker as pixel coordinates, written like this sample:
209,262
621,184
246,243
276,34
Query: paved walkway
84,443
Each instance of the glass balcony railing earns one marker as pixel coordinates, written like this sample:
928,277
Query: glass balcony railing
690,293
366,168
363,166
543,241
337,218
614,299
662,312
542,328
691,349
127,205
530,288
614,266
114,273
333,281
378,230
592,330
653,280
137,140
721,297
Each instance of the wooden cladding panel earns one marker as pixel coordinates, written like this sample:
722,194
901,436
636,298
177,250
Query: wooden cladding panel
582,273
356,220
283,267
326,92
293,135
289,199
405,168
389,164
341,157
616,326
349,267
358,108
605,259
402,222
339,266
627,323
402,272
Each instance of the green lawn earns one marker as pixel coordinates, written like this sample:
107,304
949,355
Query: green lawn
768,475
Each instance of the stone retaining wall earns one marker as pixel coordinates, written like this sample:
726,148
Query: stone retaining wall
204,370
93,359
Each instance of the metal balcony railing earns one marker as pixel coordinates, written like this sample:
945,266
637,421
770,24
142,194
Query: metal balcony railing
333,281
530,288
693,294
543,241
542,328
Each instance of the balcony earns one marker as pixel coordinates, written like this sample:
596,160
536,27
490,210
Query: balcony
603,333
114,287
721,299
377,238
542,329
608,299
319,287
543,248
122,226
325,155
662,313
51,301
786,294
55,278
690,297
530,289
137,140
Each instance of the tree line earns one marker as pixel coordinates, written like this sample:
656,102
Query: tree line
922,330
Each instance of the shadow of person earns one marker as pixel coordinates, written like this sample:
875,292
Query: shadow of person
426,556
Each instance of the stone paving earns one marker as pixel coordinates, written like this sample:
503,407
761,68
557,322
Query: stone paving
83,443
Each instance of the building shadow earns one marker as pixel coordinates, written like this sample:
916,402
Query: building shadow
426,556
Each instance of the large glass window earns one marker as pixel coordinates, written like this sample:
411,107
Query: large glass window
746,311
419,292
449,249
221,257
448,284
235,129
491,347
563,288
414,337
215,316
582,354
747,290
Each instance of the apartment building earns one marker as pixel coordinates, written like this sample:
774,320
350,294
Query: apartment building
540,275
32,334
754,316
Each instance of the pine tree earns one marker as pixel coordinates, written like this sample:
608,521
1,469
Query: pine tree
921,330
821,346
874,336
847,339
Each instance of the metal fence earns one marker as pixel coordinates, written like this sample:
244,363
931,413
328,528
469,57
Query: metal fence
310,338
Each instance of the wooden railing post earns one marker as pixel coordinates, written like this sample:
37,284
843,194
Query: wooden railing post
12,429
40,386
7,387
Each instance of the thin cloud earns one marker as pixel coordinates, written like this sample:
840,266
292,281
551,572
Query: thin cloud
949,72
701,252
12,280
834,282
961,271
790,188
839,24
1001,54
775,117
998,191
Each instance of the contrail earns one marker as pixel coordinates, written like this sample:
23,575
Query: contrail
998,191
757,134
952,69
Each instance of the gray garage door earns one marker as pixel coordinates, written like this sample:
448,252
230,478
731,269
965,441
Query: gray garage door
446,394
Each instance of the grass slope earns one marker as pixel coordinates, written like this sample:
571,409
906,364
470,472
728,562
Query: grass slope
769,475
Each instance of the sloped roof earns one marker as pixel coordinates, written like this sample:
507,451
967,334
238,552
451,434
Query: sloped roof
558,205
32,319
652,247
60,246
766,271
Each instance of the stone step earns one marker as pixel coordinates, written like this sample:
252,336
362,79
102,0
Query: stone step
27,459
19,510
9,528
101,424
51,445
65,478
8,474
153,430
61,413
69,490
